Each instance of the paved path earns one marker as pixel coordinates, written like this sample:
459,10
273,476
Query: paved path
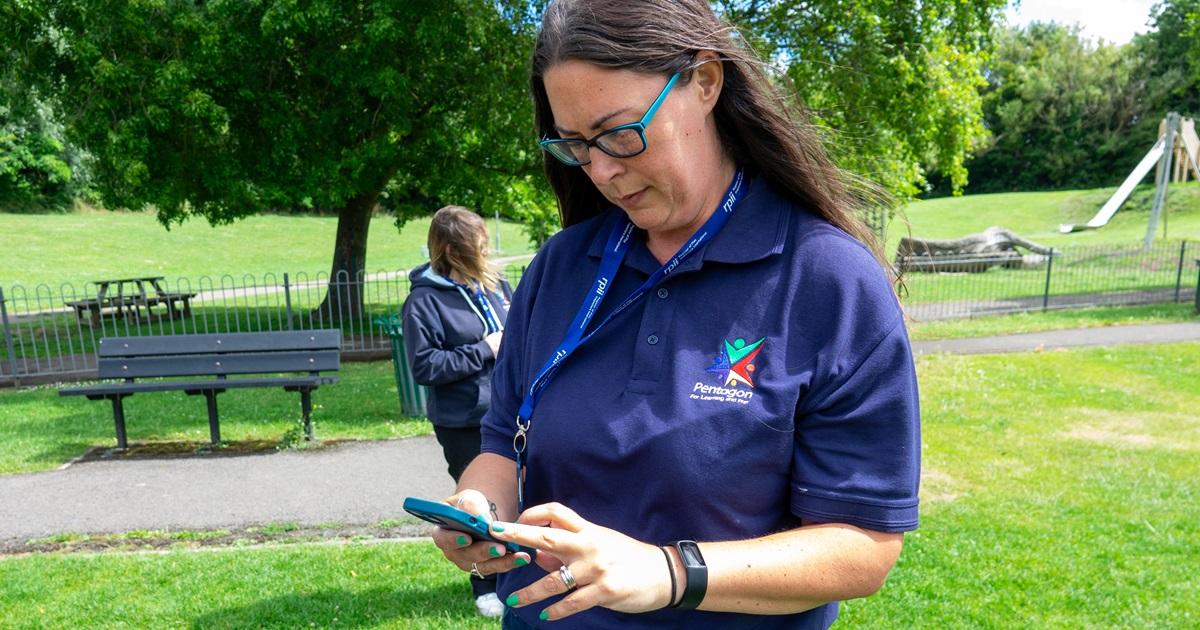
352,484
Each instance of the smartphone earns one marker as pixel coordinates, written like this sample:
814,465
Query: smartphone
450,517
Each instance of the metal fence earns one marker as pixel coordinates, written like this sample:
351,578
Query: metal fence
49,335
53,332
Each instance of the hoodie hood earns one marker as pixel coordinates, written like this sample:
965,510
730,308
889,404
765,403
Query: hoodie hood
424,276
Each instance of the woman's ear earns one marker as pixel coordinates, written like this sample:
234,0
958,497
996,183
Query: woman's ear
708,78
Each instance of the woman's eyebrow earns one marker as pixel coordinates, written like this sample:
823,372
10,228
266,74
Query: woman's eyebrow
595,124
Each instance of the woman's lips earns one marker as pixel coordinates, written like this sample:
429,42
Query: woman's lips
631,199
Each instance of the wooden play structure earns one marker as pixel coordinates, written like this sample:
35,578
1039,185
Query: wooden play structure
1171,165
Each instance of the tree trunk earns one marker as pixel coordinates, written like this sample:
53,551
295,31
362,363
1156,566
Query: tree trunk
994,246
344,296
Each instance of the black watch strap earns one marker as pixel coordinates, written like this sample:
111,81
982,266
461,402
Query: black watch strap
696,572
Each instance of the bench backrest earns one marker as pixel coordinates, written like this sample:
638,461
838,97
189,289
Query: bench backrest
220,354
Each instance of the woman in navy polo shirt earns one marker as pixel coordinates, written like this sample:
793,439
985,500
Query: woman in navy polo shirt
704,414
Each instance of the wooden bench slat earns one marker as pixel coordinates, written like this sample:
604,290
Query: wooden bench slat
221,342
194,385
219,364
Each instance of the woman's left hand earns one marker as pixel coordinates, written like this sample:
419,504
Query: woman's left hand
610,569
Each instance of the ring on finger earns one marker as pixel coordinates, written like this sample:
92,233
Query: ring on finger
475,570
569,580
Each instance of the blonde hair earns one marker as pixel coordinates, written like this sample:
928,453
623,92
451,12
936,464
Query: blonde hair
458,247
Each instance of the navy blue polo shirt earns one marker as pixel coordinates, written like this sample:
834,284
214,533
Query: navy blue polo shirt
766,382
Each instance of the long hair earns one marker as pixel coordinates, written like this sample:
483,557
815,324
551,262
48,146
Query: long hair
458,247
753,119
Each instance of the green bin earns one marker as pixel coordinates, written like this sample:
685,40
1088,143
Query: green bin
412,395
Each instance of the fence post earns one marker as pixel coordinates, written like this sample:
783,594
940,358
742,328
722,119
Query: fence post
1049,268
1179,272
1198,285
287,298
8,341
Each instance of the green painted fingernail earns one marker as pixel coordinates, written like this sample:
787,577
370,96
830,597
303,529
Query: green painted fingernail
462,540
497,527
512,600
543,615
520,562
494,552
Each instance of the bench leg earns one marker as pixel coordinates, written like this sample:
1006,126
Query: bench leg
306,409
214,427
119,419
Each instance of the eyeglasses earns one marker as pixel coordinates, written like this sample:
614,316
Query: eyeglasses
622,141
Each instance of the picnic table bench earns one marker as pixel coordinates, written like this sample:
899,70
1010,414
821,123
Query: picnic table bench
131,297
217,356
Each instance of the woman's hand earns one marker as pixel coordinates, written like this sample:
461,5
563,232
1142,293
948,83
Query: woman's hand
479,558
610,569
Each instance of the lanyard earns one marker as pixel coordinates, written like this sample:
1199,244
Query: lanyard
491,323
614,253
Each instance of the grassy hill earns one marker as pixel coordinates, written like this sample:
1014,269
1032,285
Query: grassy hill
1036,216
88,244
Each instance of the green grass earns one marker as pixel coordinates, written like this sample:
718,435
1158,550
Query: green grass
85,245
1059,491
1039,321
39,430
1037,215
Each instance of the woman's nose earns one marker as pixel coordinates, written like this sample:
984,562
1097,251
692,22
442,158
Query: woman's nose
603,167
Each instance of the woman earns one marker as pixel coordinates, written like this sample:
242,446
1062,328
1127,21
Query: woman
453,321
709,352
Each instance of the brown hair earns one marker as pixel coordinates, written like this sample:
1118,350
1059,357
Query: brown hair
754,121
458,247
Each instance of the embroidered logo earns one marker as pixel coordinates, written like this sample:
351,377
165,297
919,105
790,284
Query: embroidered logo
734,366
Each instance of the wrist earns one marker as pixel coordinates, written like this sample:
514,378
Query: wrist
674,575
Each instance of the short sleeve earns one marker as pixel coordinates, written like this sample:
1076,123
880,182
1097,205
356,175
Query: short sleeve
857,456
498,425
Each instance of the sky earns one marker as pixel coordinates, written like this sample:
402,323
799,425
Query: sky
1115,21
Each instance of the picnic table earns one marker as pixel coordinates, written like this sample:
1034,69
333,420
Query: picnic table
131,297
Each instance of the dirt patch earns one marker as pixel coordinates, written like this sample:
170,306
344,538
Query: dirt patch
1143,430
938,486
186,449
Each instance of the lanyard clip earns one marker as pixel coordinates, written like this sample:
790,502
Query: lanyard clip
520,441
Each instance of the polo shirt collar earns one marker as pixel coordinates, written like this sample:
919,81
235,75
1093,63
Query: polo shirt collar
756,229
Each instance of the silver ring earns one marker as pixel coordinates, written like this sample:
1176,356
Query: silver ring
569,580
459,502
475,570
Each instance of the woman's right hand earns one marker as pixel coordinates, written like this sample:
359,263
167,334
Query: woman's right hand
469,554
493,341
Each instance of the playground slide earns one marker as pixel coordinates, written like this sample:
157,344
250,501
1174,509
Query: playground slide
1110,207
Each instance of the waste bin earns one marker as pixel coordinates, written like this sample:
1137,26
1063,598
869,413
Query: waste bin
412,395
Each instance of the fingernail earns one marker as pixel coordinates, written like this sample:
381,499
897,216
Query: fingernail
494,552
497,527
462,540
482,517
512,600
543,615
520,562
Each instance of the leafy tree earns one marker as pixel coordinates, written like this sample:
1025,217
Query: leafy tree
226,108
34,167
895,80
1064,112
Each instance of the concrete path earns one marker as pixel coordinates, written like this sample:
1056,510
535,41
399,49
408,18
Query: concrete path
351,484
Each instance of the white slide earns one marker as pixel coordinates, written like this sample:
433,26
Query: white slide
1110,207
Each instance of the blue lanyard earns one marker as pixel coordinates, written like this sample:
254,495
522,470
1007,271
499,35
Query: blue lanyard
614,253
491,323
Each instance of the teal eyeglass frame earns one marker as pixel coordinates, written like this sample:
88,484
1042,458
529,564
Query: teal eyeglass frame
561,148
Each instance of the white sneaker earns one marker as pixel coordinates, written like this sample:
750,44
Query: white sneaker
489,605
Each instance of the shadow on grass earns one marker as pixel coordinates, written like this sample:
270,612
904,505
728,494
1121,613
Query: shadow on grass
437,607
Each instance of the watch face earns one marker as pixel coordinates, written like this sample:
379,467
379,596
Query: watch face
690,553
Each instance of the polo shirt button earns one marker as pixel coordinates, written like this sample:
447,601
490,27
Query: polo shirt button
652,339
663,293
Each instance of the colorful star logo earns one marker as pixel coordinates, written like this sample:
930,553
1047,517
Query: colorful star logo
735,364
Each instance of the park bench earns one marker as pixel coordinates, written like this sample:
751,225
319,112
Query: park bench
265,355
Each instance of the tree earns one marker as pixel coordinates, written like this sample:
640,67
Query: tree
895,81
1064,112
226,108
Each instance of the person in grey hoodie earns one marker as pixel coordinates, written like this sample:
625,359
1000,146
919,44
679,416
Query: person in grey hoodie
453,322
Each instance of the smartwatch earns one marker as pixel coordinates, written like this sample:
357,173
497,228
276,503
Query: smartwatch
696,572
